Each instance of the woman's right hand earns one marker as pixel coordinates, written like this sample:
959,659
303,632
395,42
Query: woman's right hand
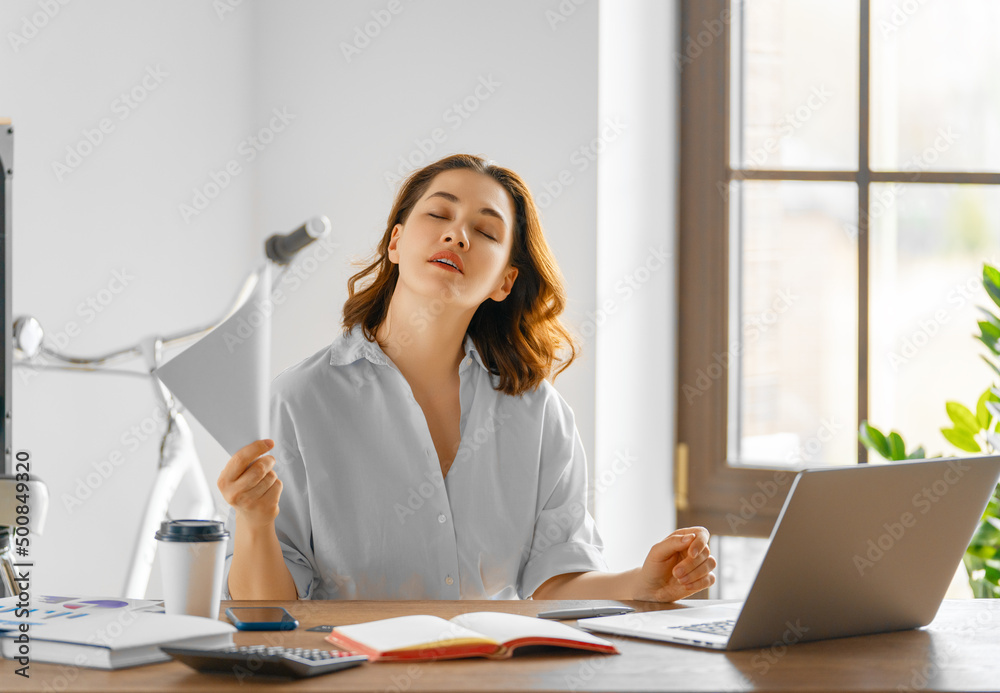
250,485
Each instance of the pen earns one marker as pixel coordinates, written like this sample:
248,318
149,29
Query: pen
586,612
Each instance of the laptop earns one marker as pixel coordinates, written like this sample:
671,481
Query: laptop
855,550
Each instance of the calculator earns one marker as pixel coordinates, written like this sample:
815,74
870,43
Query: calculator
253,660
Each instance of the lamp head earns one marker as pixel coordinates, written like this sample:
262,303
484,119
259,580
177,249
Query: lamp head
28,336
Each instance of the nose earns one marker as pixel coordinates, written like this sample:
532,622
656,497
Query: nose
457,235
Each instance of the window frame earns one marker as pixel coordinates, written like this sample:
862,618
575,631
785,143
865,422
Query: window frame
742,500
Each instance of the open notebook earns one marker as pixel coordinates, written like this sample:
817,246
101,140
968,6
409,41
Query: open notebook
478,634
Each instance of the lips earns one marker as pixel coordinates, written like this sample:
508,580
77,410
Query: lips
452,257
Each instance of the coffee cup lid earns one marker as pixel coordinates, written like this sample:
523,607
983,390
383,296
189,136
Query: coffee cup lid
192,530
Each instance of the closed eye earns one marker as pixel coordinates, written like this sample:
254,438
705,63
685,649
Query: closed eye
480,230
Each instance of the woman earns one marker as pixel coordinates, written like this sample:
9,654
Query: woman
423,455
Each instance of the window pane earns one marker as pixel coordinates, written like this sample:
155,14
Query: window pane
739,560
793,399
799,86
928,246
935,87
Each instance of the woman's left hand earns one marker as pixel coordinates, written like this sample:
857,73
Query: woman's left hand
677,567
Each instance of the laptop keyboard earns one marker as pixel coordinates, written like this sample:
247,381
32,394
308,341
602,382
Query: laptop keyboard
712,627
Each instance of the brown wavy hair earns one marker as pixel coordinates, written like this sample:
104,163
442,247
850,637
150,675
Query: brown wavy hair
519,337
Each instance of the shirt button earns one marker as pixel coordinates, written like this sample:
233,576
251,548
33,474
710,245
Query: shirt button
442,519
468,360
448,580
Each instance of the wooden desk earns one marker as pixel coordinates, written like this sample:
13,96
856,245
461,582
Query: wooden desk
959,651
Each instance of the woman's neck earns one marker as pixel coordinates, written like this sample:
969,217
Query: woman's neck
426,342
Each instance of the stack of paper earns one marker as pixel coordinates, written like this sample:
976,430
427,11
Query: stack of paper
115,639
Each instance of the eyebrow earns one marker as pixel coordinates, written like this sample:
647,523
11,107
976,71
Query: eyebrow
489,211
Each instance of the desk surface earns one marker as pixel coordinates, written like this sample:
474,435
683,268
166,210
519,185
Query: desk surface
958,651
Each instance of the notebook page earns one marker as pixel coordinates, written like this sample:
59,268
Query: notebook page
411,632
504,627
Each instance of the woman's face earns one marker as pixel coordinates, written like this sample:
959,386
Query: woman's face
465,217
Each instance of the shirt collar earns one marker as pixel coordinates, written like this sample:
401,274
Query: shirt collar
349,348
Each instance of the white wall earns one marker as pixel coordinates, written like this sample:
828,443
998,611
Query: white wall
116,212
120,209
357,119
636,285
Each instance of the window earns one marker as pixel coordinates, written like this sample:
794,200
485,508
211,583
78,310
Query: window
839,195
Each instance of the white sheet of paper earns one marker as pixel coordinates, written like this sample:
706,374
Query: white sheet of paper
223,379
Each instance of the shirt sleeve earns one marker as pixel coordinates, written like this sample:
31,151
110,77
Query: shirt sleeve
565,539
293,526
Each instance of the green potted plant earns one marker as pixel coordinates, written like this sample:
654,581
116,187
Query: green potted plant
971,431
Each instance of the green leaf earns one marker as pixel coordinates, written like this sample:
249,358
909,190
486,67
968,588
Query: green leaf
982,413
990,336
962,417
990,364
897,449
992,577
961,439
917,454
980,589
873,439
990,318
984,542
991,282
995,391
993,507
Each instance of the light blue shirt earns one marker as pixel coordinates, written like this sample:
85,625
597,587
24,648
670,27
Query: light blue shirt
365,512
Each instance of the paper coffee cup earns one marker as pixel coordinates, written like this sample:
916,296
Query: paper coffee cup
192,560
